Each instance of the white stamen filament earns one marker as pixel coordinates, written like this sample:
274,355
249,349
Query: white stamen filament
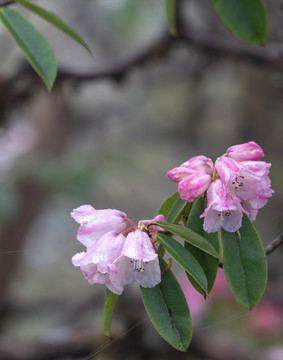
138,265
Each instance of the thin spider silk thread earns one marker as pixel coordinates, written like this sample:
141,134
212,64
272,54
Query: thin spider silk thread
110,342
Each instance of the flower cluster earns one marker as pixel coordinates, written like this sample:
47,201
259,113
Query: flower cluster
237,183
115,256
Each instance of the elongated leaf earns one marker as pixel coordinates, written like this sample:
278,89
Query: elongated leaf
190,236
32,43
54,20
244,264
246,19
110,300
176,211
208,263
185,259
174,207
168,310
171,16
168,204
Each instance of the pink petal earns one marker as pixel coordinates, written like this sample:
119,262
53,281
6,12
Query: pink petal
246,151
138,246
193,186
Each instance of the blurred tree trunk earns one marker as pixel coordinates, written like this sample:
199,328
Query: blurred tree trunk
50,116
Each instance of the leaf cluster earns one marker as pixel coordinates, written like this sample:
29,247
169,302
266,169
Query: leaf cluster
32,43
241,254
247,20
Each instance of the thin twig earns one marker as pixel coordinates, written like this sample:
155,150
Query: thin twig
6,2
274,244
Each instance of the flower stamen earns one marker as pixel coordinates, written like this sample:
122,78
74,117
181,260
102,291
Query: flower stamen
138,265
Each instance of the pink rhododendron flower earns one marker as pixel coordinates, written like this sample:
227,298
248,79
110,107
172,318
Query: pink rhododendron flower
193,177
194,185
266,319
238,183
246,151
195,164
222,210
95,223
95,263
199,163
247,180
138,262
113,258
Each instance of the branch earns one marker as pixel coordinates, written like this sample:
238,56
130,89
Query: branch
263,57
6,2
274,244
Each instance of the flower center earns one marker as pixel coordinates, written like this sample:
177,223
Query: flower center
138,265
226,213
238,183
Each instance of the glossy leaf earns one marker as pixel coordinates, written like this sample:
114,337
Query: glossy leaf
168,310
171,16
168,204
207,262
54,20
176,211
244,263
174,207
191,237
110,300
32,43
246,19
185,259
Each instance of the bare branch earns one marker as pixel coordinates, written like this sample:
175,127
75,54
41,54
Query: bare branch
6,2
263,57
274,244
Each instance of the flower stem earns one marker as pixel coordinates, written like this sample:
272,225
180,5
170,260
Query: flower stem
131,222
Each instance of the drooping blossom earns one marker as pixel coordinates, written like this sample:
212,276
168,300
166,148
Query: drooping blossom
114,256
95,263
238,182
95,223
222,210
138,262
193,177
247,180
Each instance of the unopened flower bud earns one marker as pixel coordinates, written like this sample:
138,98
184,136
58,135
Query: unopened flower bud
245,152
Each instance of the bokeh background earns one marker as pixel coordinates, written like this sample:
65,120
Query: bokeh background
114,124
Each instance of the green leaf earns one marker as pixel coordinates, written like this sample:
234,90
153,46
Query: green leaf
168,310
168,203
54,20
190,236
208,263
173,208
32,43
110,300
244,263
185,259
246,19
171,16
